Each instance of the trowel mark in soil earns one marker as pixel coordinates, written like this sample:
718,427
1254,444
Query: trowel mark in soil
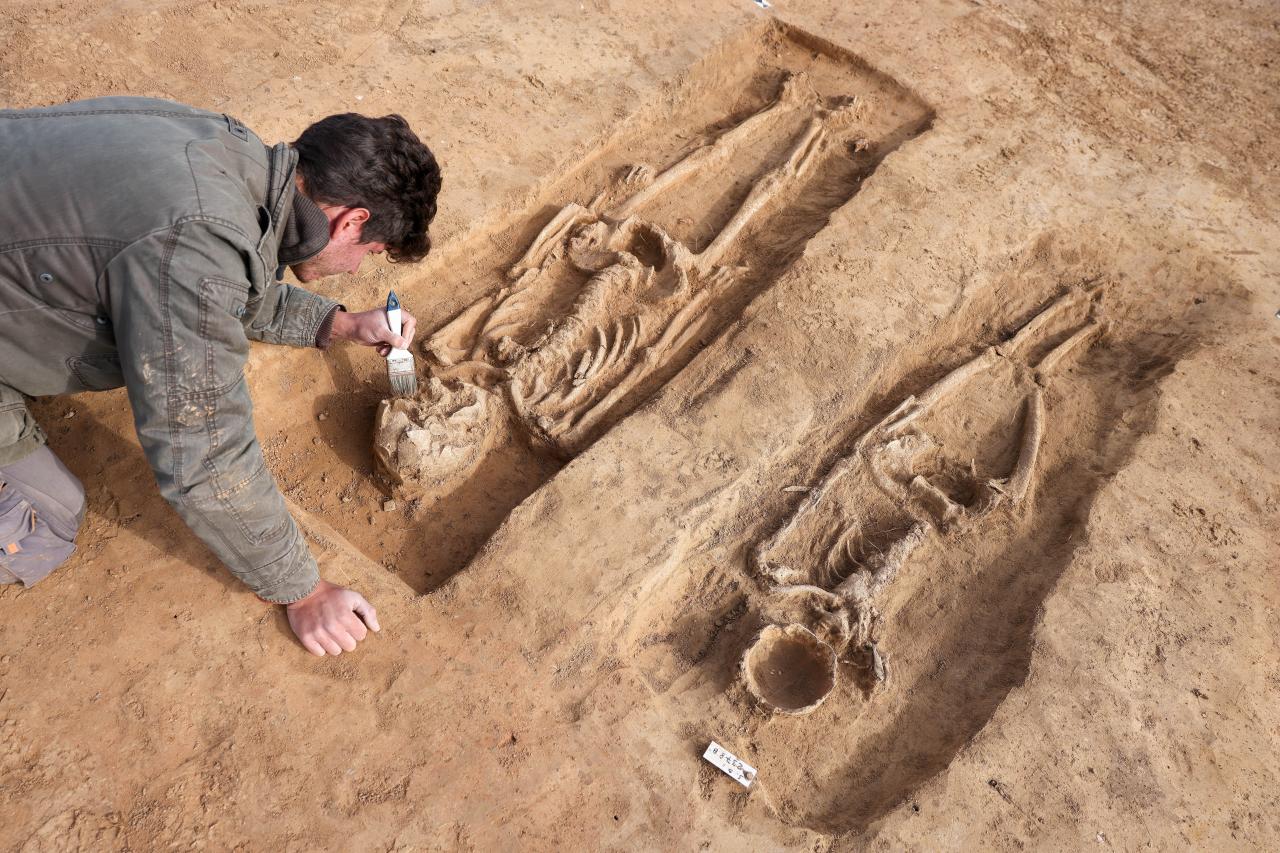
923,553
669,232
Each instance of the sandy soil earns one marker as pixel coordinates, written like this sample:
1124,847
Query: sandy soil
1093,665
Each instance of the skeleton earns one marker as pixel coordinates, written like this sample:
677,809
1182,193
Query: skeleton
646,298
845,565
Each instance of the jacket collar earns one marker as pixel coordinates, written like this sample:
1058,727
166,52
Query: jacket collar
304,233
282,162
299,229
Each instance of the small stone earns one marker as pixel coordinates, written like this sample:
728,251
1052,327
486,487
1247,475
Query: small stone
315,439
346,499
71,413
388,506
323,416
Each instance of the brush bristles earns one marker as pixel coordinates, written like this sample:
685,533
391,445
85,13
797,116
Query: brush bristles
404,382
404,386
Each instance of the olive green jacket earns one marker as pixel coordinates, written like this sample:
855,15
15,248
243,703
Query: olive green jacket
138,247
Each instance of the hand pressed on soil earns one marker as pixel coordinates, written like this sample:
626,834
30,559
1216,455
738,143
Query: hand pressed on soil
370,328
331,619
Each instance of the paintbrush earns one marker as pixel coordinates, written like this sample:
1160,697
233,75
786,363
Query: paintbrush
404,381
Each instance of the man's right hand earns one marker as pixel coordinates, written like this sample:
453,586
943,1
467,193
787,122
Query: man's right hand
370,329
331,619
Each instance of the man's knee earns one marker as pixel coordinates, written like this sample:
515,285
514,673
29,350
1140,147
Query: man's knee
41,507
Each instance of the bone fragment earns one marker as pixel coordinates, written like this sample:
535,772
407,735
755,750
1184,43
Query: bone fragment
906,412
569,217
639,175
829,599
580,372
615,346
935,501
784,575
1020,481
879,664
1031,332
637,331
539,391
569,399
958,377
867,617
1071,345
451,342
602,349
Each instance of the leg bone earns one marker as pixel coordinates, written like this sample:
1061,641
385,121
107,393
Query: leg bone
1035,327
1076,343
709,155
1032,436
798,161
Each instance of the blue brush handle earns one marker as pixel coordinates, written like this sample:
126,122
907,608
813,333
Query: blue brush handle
394,321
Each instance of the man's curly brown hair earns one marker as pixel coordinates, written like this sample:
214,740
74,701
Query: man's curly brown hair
378,164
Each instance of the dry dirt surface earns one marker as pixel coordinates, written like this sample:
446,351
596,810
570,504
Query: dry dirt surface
887,392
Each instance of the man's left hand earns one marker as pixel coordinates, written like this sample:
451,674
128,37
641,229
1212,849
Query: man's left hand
370,328
331,620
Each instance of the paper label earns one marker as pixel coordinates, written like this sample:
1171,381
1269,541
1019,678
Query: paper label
732,765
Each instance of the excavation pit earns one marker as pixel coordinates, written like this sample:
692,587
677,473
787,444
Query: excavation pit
789,670
573,313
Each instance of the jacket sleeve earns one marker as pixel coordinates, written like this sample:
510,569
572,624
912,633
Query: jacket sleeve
290,315
178,299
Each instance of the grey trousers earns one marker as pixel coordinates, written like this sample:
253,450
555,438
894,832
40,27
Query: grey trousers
41,508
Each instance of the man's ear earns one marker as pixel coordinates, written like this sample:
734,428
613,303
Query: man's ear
347,226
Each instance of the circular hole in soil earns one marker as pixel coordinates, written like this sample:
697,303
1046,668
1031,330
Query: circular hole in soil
646,245
789,669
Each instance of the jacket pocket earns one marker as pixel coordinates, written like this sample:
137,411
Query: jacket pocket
223,304
97,372
29,549
17,521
